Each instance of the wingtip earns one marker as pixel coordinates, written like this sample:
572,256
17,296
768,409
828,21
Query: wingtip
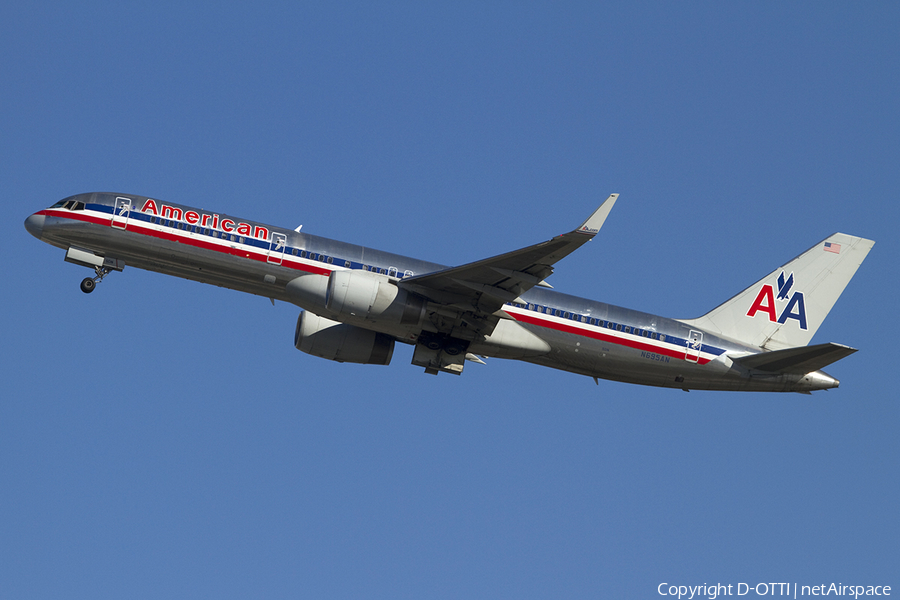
596,220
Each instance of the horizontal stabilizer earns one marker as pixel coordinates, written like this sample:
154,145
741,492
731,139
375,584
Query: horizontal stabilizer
804,359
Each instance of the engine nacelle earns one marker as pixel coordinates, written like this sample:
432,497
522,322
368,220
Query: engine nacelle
341,342
358,296
363,295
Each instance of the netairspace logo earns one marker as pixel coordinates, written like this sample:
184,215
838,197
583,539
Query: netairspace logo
793,590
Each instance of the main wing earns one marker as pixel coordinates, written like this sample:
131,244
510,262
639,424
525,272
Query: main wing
467,299
485,285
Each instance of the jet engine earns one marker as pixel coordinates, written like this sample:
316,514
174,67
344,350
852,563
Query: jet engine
358,296
341,342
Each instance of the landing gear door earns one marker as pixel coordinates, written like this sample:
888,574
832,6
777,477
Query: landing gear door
694,343
276,249
121,212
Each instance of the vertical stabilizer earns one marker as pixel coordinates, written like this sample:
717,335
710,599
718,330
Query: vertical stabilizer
785,308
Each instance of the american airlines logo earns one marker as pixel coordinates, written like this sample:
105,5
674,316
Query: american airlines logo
192,217
792,306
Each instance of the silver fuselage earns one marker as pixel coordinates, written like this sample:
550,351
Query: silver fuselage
586,337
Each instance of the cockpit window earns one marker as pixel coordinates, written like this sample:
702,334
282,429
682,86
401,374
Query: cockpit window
69,205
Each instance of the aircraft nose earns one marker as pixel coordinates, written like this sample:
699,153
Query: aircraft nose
35,225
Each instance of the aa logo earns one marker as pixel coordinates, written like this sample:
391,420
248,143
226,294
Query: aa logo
767,302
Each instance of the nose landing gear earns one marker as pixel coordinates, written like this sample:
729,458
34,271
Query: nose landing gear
89,283
102,265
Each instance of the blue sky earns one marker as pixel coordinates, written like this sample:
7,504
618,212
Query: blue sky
161,438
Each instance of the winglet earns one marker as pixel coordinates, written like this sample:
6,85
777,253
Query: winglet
596,220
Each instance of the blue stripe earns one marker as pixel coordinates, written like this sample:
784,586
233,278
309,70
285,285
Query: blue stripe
264,245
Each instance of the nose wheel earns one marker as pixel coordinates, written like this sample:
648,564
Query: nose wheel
89,283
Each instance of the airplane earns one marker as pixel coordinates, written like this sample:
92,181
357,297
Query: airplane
358,302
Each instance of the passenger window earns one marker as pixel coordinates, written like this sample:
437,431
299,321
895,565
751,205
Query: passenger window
330,260
618,327
347,263
241,240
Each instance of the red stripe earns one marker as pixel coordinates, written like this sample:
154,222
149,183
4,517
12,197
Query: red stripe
261,257
602,336
136,227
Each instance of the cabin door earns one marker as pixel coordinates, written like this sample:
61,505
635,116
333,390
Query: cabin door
121,212
692,349
276,249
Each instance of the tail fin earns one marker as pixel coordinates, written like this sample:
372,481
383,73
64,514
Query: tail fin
785,308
